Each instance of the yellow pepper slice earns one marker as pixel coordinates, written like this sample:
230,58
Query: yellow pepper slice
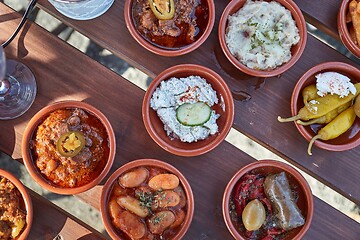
70,143
163,9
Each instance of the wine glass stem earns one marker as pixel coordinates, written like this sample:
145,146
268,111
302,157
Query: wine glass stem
4,86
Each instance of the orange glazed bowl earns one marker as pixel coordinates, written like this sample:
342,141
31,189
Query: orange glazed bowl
172,43
296,50
135,180
348,140
225,108
344,28
25,203
46,147
261,169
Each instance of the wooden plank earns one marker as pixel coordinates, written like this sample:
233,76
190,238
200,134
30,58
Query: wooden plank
51,222
255,118
322,14
59,76
331,230
328,230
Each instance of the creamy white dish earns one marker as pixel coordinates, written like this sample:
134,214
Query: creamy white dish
260,35
334,83
175,92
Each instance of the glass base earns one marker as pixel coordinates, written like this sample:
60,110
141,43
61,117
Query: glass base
21,95
83,10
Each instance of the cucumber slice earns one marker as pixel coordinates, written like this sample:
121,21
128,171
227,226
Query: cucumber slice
193,114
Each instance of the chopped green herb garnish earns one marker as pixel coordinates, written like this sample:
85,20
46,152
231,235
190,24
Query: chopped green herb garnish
157,219
146,198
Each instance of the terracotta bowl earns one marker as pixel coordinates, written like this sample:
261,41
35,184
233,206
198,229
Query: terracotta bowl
266,167
27,201
155,127
343,29
296,50
347,140
163,51
37,119
106,191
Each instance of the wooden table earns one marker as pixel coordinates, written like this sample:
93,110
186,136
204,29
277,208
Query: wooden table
62,72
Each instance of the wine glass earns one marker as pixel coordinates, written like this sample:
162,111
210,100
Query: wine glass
17,87
82,9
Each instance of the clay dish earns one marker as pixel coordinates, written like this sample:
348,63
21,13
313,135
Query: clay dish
30,130
347,140
163,51
225,108
343,29
266,167
108,187
27,201
296,50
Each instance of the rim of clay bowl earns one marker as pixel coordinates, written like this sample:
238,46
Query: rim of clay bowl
296,96
31,128
163,51
300,46
344,31
303,184
27,200
152,163
196,70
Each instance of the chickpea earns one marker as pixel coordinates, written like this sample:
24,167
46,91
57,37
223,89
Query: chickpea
51,165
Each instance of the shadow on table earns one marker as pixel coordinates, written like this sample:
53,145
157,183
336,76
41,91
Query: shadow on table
90,236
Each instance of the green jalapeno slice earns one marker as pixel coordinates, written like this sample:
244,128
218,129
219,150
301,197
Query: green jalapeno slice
163,9
70,143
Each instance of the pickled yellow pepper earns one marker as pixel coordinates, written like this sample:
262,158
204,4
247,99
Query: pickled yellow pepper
357,106
309,93
321,105
336,127
327,117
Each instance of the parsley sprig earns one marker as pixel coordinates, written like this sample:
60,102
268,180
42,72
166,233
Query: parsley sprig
146,198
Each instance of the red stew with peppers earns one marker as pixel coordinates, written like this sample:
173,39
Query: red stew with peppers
70,147
276,197
185,27
12,210
147,203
